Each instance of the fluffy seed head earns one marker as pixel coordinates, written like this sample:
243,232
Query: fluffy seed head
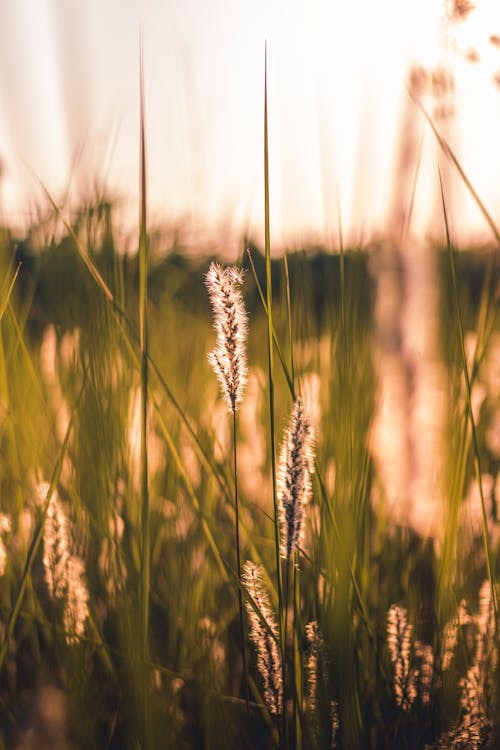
76,609
294,478
399,633
55,548
450,635
425,672
228,359
316,647
64,572
268,651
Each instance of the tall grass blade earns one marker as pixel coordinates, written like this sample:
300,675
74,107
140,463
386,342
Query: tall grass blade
269,303
143,324
447,150
477,457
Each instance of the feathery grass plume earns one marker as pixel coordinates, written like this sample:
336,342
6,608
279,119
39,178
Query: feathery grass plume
450,635
268,651
474,736
76,610
294,478
472,698
399,633
316,645
486,656
229,362
475,730
477,689
228,359
316,680
55,547
335,722
64,572
425,673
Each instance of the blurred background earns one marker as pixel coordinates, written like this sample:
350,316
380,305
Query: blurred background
374,334
342,127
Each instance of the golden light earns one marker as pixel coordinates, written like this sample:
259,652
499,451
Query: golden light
337,99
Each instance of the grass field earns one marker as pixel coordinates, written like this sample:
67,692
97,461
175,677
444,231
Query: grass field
281,533
380,629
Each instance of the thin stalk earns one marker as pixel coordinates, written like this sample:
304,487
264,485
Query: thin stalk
477,466
452,157
269,298
238,568
284,366
183,474
298,691
143,325
284,653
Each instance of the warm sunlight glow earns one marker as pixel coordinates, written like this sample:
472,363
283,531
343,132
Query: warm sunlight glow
338,109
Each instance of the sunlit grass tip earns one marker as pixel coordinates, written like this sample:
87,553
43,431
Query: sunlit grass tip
294,478
228,359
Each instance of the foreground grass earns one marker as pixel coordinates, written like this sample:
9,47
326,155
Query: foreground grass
73,403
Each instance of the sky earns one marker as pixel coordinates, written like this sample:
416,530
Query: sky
339,114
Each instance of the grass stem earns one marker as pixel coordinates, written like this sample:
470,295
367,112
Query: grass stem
238,568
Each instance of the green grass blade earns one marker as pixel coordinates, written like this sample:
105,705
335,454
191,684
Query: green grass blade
281,356
270,352
270,359
145,546
477,465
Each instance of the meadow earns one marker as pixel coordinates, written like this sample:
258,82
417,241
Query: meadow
388,627
279,534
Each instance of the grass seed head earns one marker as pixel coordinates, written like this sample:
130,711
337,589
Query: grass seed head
399,633
294,478
76,598
64,572
268,651
228,359
55,548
